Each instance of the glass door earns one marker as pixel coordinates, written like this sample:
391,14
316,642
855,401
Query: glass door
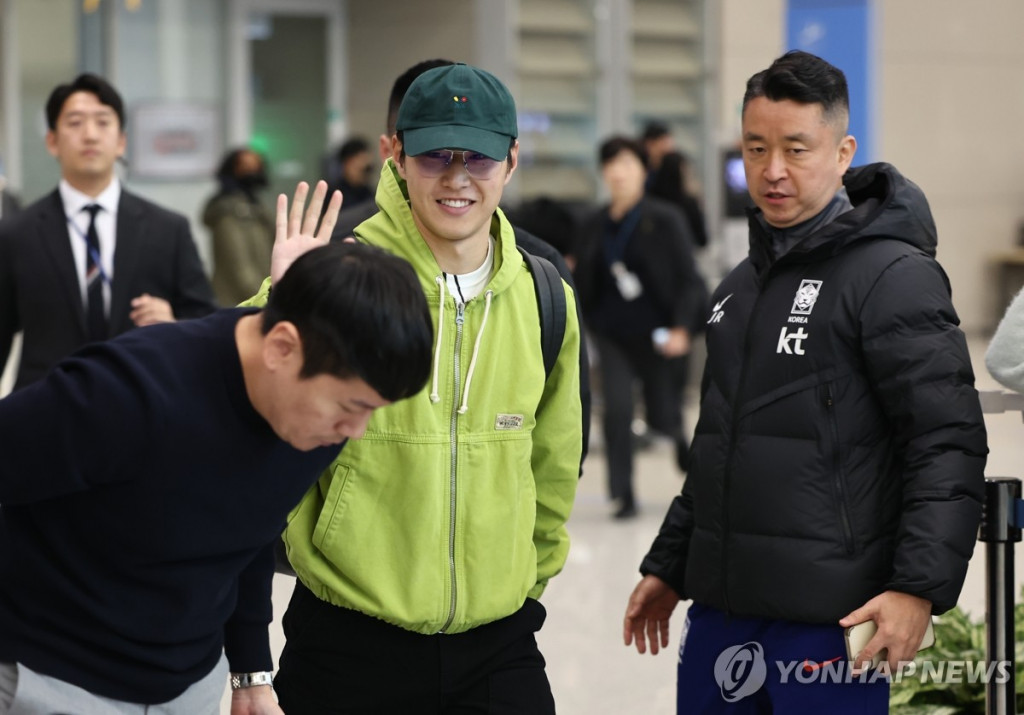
285,78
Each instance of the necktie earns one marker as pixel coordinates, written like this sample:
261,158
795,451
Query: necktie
95,316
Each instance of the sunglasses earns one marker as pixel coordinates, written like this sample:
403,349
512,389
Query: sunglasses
435,163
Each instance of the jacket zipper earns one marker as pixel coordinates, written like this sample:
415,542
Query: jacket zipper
837,471
460,319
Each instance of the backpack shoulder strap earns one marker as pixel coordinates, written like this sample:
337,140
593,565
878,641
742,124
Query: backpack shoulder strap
550,304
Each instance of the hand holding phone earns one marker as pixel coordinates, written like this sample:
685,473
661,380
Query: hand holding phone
858,636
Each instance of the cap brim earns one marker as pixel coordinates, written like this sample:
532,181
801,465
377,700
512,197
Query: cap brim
454,136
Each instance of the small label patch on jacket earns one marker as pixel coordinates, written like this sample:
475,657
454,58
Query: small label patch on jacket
506,422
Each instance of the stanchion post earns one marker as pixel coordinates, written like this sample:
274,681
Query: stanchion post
1000,529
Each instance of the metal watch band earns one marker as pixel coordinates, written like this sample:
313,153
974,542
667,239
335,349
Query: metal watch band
248,680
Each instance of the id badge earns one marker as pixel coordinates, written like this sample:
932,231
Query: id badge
626,281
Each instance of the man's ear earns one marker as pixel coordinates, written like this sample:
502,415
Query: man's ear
396,155
384,144
51,142
847,148
513,161
282,347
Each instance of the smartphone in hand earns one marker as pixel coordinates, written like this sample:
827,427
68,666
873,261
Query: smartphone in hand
858,636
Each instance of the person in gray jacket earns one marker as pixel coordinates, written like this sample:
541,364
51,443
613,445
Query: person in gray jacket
1005,356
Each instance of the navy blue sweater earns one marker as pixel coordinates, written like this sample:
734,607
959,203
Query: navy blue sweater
140,495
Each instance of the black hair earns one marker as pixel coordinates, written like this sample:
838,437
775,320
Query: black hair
227,176
355,145
547,218
668,181
402,84
227,167
805,78
654,130
615,145
86,82
360,312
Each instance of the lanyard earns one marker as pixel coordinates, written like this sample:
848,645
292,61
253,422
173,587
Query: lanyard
615,244
93,252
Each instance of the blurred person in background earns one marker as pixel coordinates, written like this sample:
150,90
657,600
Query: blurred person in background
241,227
355,172
548,219
90,260
669,183
636,278
657,141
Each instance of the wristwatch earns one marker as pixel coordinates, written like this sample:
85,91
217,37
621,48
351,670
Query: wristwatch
249,680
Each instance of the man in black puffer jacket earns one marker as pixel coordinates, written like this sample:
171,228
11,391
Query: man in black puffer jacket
837,467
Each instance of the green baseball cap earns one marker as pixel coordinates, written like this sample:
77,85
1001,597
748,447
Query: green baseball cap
458,107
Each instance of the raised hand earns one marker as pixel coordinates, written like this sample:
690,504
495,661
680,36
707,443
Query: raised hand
296,233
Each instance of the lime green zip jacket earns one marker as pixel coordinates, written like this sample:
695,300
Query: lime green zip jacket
451,510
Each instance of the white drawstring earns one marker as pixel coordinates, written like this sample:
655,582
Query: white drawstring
476,349
434,397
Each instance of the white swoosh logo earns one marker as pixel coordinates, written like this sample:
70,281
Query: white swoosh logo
718,306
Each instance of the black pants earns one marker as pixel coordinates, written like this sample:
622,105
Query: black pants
336,660
622,364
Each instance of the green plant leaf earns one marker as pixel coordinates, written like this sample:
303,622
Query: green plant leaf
958,638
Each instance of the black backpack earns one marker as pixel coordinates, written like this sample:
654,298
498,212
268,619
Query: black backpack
550,304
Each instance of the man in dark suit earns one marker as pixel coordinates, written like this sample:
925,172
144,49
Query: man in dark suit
9,204
90,260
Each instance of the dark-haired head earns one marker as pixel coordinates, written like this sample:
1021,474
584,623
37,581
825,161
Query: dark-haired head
655,130
795,145
360,312
613,146
352,147
94,84
623,171
242,168
669,179
806,79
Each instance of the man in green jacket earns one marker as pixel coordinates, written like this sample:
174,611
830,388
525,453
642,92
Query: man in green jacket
421,553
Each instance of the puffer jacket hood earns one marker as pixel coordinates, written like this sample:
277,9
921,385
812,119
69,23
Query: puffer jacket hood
886,205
